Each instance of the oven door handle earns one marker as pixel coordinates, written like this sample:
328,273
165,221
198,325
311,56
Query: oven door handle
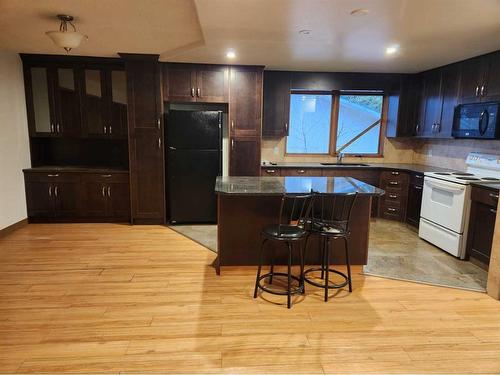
484,120
445,186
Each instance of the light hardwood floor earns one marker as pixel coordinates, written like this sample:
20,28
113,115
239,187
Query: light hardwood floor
113,298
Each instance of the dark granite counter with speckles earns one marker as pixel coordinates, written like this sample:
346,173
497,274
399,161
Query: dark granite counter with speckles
419,168
293,185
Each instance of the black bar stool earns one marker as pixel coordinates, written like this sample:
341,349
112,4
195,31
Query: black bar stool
330,216
293,216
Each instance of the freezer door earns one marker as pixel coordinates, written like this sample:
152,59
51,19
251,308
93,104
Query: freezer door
191,185
194,130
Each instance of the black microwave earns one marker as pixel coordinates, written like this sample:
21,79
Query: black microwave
477,120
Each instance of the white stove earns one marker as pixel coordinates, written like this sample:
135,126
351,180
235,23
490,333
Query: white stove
444,217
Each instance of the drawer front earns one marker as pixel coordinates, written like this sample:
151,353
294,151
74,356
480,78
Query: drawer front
106,177
301,172
395,176
394,185
393,198
270,172
417,179
390,211
51,177
486,196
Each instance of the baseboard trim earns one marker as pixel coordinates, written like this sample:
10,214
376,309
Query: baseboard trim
11,228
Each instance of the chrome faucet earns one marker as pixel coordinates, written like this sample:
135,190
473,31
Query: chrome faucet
340,156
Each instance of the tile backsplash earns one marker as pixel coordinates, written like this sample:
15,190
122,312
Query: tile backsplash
445,153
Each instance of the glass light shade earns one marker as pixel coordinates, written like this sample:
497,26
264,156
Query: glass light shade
66,39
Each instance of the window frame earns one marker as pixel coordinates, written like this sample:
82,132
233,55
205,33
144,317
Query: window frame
334,116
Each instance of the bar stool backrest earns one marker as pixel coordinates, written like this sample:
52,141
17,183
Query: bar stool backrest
295,210
331,210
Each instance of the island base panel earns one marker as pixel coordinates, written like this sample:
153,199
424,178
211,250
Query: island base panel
241,219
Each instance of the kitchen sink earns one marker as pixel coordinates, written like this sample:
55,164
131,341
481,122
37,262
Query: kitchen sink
346,164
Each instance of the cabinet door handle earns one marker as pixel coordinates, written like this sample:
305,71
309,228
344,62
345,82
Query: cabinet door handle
395,173
52,128
110,130
419,176
393,183
391,209
109,191
55,191
232,125
103,191
159,123
477,90
192,92
286,128
493,211
301,171
482,90
58,128
50,191
418,187
417,128
232,144
198,92
494,196
52,175
159,142
105,130
393,196
106,175
270,171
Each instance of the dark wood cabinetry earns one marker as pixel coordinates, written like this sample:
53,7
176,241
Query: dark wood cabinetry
393,203
55,196
480,79
245,119
196,83
276,108
414,199
145,138
482,224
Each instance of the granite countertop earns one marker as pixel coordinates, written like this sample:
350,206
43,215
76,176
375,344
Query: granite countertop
401,166
293,185
84,169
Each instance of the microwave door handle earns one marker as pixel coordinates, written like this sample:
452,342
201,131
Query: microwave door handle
484,122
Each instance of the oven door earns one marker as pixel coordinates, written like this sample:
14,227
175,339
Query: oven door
445,203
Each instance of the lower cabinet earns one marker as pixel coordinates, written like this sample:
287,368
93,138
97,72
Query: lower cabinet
244,156
393,203
414,199
482,224
77,196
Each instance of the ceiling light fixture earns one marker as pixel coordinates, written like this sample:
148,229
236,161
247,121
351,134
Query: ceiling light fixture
359,12
391,50
64,38
231,54
305,32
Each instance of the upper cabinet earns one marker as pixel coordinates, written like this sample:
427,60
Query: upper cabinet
276,110
480,79
403,107
195,83
245,103
75,99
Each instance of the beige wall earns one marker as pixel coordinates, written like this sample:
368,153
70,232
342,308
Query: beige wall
14,145
395,151
451,153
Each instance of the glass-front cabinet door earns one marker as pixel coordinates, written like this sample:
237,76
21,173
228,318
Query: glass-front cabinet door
42,114
95,106
118,105
68,102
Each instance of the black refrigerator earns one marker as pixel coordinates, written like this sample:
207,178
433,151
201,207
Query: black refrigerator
194,160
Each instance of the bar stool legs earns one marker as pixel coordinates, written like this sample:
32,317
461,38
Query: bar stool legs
348,265
289,286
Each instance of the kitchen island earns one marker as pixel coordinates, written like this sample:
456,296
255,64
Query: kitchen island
247,204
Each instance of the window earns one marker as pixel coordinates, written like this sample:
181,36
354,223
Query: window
358,125
310,119
356,130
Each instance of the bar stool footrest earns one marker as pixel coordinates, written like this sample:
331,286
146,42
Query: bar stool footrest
330,286
294,290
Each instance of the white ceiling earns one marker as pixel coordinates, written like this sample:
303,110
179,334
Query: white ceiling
265,32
